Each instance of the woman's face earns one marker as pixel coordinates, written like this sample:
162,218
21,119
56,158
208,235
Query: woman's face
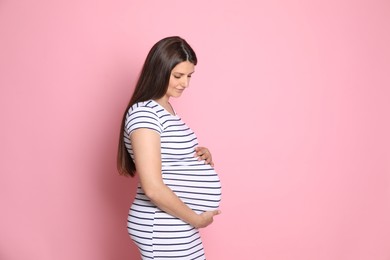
180,78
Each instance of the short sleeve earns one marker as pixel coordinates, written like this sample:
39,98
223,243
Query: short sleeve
142,117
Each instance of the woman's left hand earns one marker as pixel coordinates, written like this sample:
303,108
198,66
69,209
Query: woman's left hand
204,154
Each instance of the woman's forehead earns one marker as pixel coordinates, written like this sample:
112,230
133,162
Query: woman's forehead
184,67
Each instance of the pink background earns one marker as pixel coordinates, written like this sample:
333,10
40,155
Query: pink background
292,98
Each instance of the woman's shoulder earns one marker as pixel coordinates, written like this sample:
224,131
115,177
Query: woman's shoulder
148,106
143,115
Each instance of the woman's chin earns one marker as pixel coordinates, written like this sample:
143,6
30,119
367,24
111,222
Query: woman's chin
177,95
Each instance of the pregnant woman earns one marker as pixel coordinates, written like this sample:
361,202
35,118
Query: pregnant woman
178,191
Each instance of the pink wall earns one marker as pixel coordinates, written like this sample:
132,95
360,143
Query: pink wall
293,100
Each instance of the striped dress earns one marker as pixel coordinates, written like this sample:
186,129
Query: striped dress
157,234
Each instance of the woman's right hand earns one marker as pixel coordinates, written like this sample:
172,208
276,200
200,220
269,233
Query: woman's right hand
206,218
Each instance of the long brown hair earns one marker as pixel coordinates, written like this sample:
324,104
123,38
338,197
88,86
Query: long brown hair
153,84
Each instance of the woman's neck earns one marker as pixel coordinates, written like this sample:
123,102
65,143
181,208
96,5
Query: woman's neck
164,102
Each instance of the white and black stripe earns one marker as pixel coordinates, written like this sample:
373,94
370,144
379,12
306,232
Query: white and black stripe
157,234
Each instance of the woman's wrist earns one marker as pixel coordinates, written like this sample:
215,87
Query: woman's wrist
196,221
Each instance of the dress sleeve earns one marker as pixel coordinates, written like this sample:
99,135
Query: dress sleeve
142,117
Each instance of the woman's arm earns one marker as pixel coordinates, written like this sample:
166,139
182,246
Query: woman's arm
147,156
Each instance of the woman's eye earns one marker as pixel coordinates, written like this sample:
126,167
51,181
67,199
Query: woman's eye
179,76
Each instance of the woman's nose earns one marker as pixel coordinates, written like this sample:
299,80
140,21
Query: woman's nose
184,82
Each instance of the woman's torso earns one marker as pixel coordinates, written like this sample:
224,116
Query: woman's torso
194,182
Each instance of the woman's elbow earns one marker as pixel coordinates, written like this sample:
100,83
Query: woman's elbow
153,191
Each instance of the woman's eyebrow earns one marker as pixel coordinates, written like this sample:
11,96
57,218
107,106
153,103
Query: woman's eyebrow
183,73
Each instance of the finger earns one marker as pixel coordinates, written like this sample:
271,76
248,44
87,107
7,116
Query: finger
209,161
198,147
216,212
200,151
198,154
209,158
202,156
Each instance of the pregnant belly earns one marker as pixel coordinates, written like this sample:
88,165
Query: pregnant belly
196,184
